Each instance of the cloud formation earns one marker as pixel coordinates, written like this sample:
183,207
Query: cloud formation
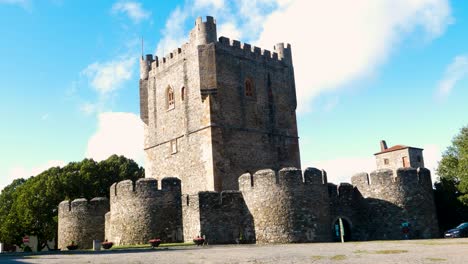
343,168
334,42
106,77
117,133
132,9
26,4
455,72
24,172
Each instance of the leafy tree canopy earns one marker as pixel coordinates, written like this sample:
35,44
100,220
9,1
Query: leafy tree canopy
453,168
30,206
451,190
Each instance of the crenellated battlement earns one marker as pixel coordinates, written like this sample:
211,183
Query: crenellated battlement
82,221
145,187
84,206
342,191
386,177
281,54
289,177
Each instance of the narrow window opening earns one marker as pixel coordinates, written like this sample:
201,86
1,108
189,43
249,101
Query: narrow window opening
182,93
386,161
249,88
174,146
170,98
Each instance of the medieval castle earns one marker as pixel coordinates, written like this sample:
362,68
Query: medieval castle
221,139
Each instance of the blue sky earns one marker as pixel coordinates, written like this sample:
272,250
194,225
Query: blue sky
365,70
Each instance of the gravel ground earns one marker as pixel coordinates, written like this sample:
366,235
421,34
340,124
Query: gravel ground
412,251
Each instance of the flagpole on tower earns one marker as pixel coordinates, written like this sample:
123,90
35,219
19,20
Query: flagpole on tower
142,46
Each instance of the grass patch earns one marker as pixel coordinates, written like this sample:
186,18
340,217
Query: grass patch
338,257
436,259
361,252
386,251
390,251
143,246
317,257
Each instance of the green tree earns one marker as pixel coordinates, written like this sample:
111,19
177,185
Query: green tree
451,190
10,232
453,167
31,205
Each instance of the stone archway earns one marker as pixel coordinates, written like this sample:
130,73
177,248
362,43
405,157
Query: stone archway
347,226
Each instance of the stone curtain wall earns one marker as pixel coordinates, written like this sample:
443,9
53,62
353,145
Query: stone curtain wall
287,207
81,222
347,202
224,218
391,200
140,212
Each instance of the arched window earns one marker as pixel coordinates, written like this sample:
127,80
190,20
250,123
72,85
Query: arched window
249,88
182,93
170,98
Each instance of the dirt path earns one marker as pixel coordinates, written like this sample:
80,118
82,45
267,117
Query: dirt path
415,251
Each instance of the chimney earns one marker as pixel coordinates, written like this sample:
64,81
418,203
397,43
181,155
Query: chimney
383,145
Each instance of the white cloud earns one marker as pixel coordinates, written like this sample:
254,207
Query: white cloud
335,42
117,133
173,33
235,19
229,30
217,4
132,9
456,71
341,169
432,155
109,76
26,4
88,108
24,172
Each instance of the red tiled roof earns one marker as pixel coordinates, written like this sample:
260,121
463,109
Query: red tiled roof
396,147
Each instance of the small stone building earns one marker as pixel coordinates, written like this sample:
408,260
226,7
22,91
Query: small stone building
399,156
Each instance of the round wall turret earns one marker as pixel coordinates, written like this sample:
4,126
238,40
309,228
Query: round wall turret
81,222
204,32
140,212
394,201
286,208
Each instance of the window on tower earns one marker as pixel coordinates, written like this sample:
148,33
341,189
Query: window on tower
182,93
249,88
170,98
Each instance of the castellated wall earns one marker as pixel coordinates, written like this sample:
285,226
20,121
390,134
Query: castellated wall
258,131
394,199
218,131
139,211
346,202
82,222
222,218
287,207
187,123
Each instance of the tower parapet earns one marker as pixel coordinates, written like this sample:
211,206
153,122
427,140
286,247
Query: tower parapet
81,221
397,199
204,32
287,207
279,57
140,211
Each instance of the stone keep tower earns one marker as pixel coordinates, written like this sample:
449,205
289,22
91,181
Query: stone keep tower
215,109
